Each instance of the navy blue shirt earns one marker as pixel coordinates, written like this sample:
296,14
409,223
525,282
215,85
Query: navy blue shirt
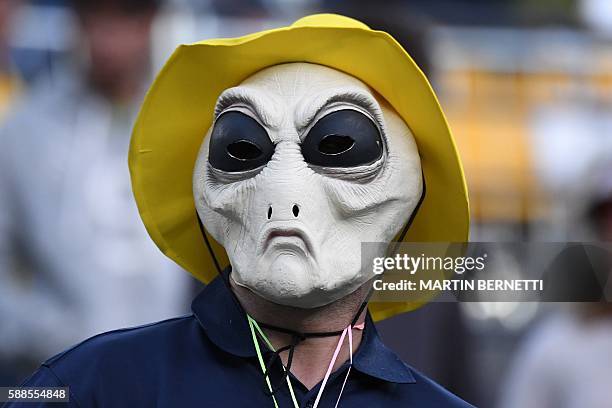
207,359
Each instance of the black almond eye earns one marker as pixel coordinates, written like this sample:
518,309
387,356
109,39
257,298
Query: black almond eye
239,143
244,150
335,144
344,138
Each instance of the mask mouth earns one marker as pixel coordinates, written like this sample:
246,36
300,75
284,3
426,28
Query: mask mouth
285,234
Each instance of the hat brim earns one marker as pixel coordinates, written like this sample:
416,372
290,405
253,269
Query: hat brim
178,110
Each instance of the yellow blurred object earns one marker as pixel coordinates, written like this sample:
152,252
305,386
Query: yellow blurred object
178,110
491,113
9,88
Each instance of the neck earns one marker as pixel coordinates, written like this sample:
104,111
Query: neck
313,355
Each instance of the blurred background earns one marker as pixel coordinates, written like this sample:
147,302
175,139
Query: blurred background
527,90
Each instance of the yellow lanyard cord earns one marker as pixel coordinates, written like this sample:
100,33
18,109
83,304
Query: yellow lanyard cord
254,326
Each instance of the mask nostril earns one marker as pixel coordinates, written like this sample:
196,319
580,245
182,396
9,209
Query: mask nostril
296,210
269,212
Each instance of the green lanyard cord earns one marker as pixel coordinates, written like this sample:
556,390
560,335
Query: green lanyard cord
255,329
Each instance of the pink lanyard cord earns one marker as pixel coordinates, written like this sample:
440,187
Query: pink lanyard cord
348,330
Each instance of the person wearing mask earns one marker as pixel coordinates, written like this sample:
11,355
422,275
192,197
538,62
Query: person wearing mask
261,164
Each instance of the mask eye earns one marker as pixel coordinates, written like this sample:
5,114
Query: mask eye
239,143
244,150
335,144
344,138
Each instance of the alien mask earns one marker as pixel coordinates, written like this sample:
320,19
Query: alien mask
302,164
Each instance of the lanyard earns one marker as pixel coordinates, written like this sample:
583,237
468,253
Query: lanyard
257,332
255,327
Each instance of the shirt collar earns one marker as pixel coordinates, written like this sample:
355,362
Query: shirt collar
226,326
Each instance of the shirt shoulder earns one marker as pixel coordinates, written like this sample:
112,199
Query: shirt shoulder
99,368
425,392
130,339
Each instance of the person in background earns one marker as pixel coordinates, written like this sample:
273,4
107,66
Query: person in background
566,361
75,258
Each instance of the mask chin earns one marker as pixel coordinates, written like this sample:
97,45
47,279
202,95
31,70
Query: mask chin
292,279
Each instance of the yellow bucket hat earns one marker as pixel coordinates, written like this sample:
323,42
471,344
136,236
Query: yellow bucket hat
178,110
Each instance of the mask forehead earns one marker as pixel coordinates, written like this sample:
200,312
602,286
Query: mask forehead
287,97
